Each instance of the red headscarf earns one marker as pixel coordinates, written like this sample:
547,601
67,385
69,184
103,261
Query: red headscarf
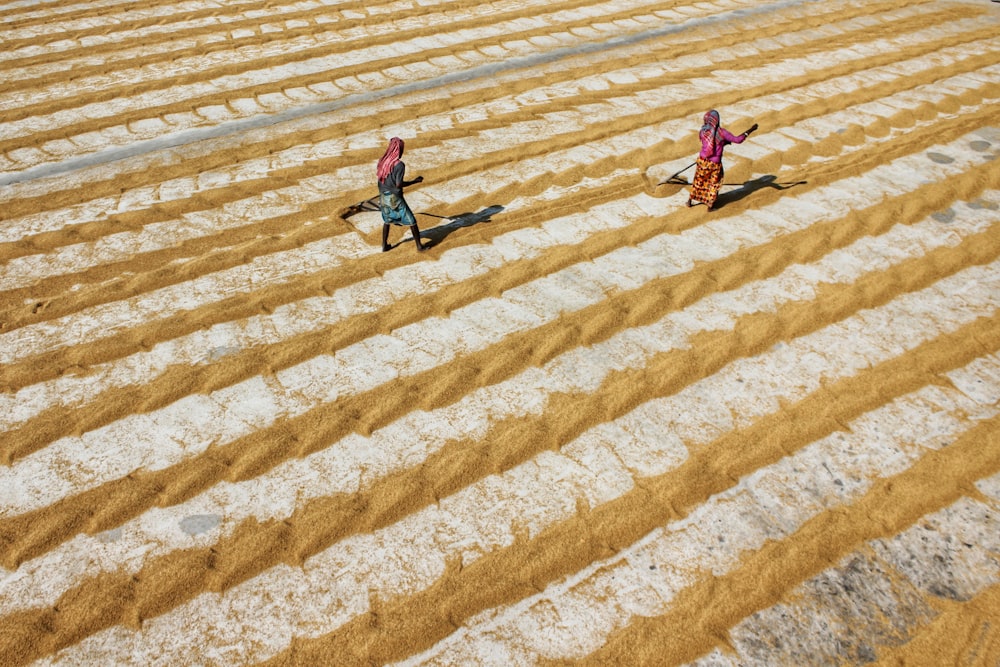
389,159
709,133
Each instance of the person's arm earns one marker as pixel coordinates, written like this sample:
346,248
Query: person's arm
730,138
742,137
396,177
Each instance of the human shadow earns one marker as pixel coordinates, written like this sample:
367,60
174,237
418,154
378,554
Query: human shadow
455,222
749,187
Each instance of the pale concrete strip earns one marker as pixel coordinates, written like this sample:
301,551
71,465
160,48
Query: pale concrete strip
109,453
883,592
237,52
573,618
22,271
142,38
108,319
336,469
337,584
53,10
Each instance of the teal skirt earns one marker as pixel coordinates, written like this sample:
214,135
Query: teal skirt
395,210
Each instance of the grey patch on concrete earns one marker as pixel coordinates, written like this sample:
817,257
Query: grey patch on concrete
980,145
940,158
983,205
200,523
217,353
991,134
109,536
952,554
844,615
944,216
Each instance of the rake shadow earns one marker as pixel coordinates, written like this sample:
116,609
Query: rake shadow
455,222
749,187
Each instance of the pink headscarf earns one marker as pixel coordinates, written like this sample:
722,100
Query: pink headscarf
709,133
392,155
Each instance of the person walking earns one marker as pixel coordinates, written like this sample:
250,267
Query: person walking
709,172
395,210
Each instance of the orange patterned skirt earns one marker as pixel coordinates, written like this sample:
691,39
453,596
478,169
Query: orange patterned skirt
707,181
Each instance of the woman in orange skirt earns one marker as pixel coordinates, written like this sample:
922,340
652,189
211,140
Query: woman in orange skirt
708,170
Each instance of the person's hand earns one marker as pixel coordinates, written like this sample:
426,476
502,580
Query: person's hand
752,129
418,179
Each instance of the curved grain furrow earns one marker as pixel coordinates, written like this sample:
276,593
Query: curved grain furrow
227,416
971,621
208,59
708,354
324,59
48,311
769,504
85,47
937,480
917,579
52,309
526,566
192,43
512,570
325,284
860,295
457,96
37,240
276,102
34,435
754,296
73,27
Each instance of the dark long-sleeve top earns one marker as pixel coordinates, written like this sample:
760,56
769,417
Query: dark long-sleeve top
394,183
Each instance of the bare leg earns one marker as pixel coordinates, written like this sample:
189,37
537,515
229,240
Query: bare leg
385,236
416,238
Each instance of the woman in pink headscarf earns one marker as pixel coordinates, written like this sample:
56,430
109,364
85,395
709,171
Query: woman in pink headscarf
709,172
395,210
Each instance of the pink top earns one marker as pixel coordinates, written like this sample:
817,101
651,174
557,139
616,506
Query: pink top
725,137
